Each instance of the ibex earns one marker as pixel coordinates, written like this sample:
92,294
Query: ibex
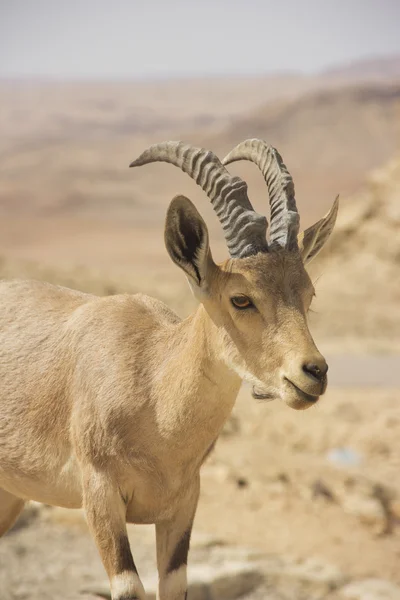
113,403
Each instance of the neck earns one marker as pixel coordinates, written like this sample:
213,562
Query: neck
201,387
203,341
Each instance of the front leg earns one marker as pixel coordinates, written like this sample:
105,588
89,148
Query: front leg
106,516
173,539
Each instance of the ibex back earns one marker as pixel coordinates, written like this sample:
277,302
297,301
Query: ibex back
113,403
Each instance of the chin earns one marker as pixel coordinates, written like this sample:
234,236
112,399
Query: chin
300,404
291,395
299,400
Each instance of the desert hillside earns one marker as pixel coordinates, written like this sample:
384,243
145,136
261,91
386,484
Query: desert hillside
59,110
69,156
330,139
56,109
72,211
356,276
358,288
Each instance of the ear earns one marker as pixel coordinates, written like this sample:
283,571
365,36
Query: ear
186,239
313,239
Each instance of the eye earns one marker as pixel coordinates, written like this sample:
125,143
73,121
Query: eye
241,302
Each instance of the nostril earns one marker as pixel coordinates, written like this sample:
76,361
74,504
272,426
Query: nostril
317,371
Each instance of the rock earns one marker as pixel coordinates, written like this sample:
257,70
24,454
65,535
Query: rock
97,590
227,581
236,572
238,581
242,482
368,510
198,590
276,486
370,589
223,554
311,578
202,540
319,489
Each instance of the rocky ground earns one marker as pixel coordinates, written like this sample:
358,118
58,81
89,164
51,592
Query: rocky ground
55,561
294,506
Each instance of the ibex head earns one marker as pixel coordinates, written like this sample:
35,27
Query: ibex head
258,300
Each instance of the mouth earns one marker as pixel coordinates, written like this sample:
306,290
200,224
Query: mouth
260,394
303,396
295,397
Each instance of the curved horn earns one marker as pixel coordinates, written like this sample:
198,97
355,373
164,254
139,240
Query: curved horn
244,229
285,220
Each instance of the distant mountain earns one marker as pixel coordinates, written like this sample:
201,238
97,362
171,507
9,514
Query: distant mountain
65,147
329,139
37,111
386,67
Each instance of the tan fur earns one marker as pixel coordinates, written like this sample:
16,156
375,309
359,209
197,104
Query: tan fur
113,403
10,508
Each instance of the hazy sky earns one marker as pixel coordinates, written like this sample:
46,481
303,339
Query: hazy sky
147,38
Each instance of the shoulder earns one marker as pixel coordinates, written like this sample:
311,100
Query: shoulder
31,287
124,315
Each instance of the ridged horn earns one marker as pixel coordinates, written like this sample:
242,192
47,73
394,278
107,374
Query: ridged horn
244,229
285,220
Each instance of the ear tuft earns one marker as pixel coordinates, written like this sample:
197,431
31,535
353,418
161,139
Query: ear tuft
186,239
313,239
